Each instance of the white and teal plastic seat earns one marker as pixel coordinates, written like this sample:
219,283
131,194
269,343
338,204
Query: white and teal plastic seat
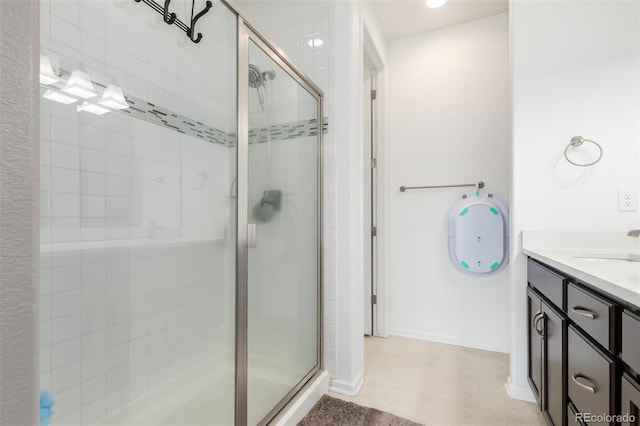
479,234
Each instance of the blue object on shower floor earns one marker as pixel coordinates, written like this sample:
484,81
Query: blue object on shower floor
46,407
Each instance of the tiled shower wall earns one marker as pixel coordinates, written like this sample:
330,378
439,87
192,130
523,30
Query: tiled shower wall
137,219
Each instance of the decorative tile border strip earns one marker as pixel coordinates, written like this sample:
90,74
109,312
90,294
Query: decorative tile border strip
151,113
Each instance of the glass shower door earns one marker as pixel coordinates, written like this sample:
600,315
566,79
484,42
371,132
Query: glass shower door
283,233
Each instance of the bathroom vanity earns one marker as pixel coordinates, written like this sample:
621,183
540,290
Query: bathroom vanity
583,311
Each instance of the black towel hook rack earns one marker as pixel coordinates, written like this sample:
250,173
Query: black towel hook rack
170,18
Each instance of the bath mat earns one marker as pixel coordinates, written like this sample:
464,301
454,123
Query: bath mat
330,411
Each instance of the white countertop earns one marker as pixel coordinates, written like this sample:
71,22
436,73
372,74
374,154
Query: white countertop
559,249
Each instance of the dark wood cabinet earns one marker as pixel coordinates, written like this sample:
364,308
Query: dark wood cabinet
581,341
554,365
547,363
534,308
630,402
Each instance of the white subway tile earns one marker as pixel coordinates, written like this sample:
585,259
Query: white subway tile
65,377
93,320
65,352
65,131
64,279
118,313
45,333
117,398
45,380
94,297
72,418
65,303
118,271
138,327
65,156
45,359
117,335
119,165
94,274
92,137
94,388
93,343
65,328
117,292
93,365
65,180
67,401
92,161
94,411
118,186
45,307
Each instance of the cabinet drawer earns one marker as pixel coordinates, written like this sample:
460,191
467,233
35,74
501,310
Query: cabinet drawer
550,284
630,347
591,376
595,315
630,407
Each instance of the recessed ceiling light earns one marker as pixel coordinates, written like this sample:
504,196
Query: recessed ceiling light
59,97
435,3
315,42
93,108
79,84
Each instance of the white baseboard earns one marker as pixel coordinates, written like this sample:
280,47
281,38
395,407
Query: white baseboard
305,401
439,338
522,393
344,387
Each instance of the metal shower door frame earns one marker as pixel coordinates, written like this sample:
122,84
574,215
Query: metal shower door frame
246,33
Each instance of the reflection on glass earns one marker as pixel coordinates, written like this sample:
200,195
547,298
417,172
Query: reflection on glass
137,222
283,206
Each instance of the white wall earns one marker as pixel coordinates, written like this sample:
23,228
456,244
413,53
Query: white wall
18,212
575,74
448,124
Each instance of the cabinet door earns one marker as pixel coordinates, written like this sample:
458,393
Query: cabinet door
630,411
554,365
534,309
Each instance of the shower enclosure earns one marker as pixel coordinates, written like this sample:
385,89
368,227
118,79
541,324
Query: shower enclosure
180,216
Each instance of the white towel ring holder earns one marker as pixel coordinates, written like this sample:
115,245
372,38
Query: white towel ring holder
576,141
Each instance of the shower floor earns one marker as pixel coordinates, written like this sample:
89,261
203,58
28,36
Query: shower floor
204,396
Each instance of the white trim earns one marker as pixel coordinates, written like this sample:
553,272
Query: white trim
522,393
381,310
439,338
344,387
305,401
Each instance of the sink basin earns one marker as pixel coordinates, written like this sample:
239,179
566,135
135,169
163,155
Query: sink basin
629,257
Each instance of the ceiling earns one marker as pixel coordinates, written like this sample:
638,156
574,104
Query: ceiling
405,18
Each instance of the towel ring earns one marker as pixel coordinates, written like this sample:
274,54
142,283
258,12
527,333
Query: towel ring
576,141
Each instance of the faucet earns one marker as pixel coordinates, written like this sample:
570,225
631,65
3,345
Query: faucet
634,233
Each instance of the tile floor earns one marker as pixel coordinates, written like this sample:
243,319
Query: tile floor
436,384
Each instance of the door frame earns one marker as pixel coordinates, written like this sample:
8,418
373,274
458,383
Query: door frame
380,320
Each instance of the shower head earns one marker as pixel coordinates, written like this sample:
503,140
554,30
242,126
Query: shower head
257,78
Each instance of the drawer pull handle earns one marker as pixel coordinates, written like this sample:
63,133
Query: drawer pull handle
591,388
584,312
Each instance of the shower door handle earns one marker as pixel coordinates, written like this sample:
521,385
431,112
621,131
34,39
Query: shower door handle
251,235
